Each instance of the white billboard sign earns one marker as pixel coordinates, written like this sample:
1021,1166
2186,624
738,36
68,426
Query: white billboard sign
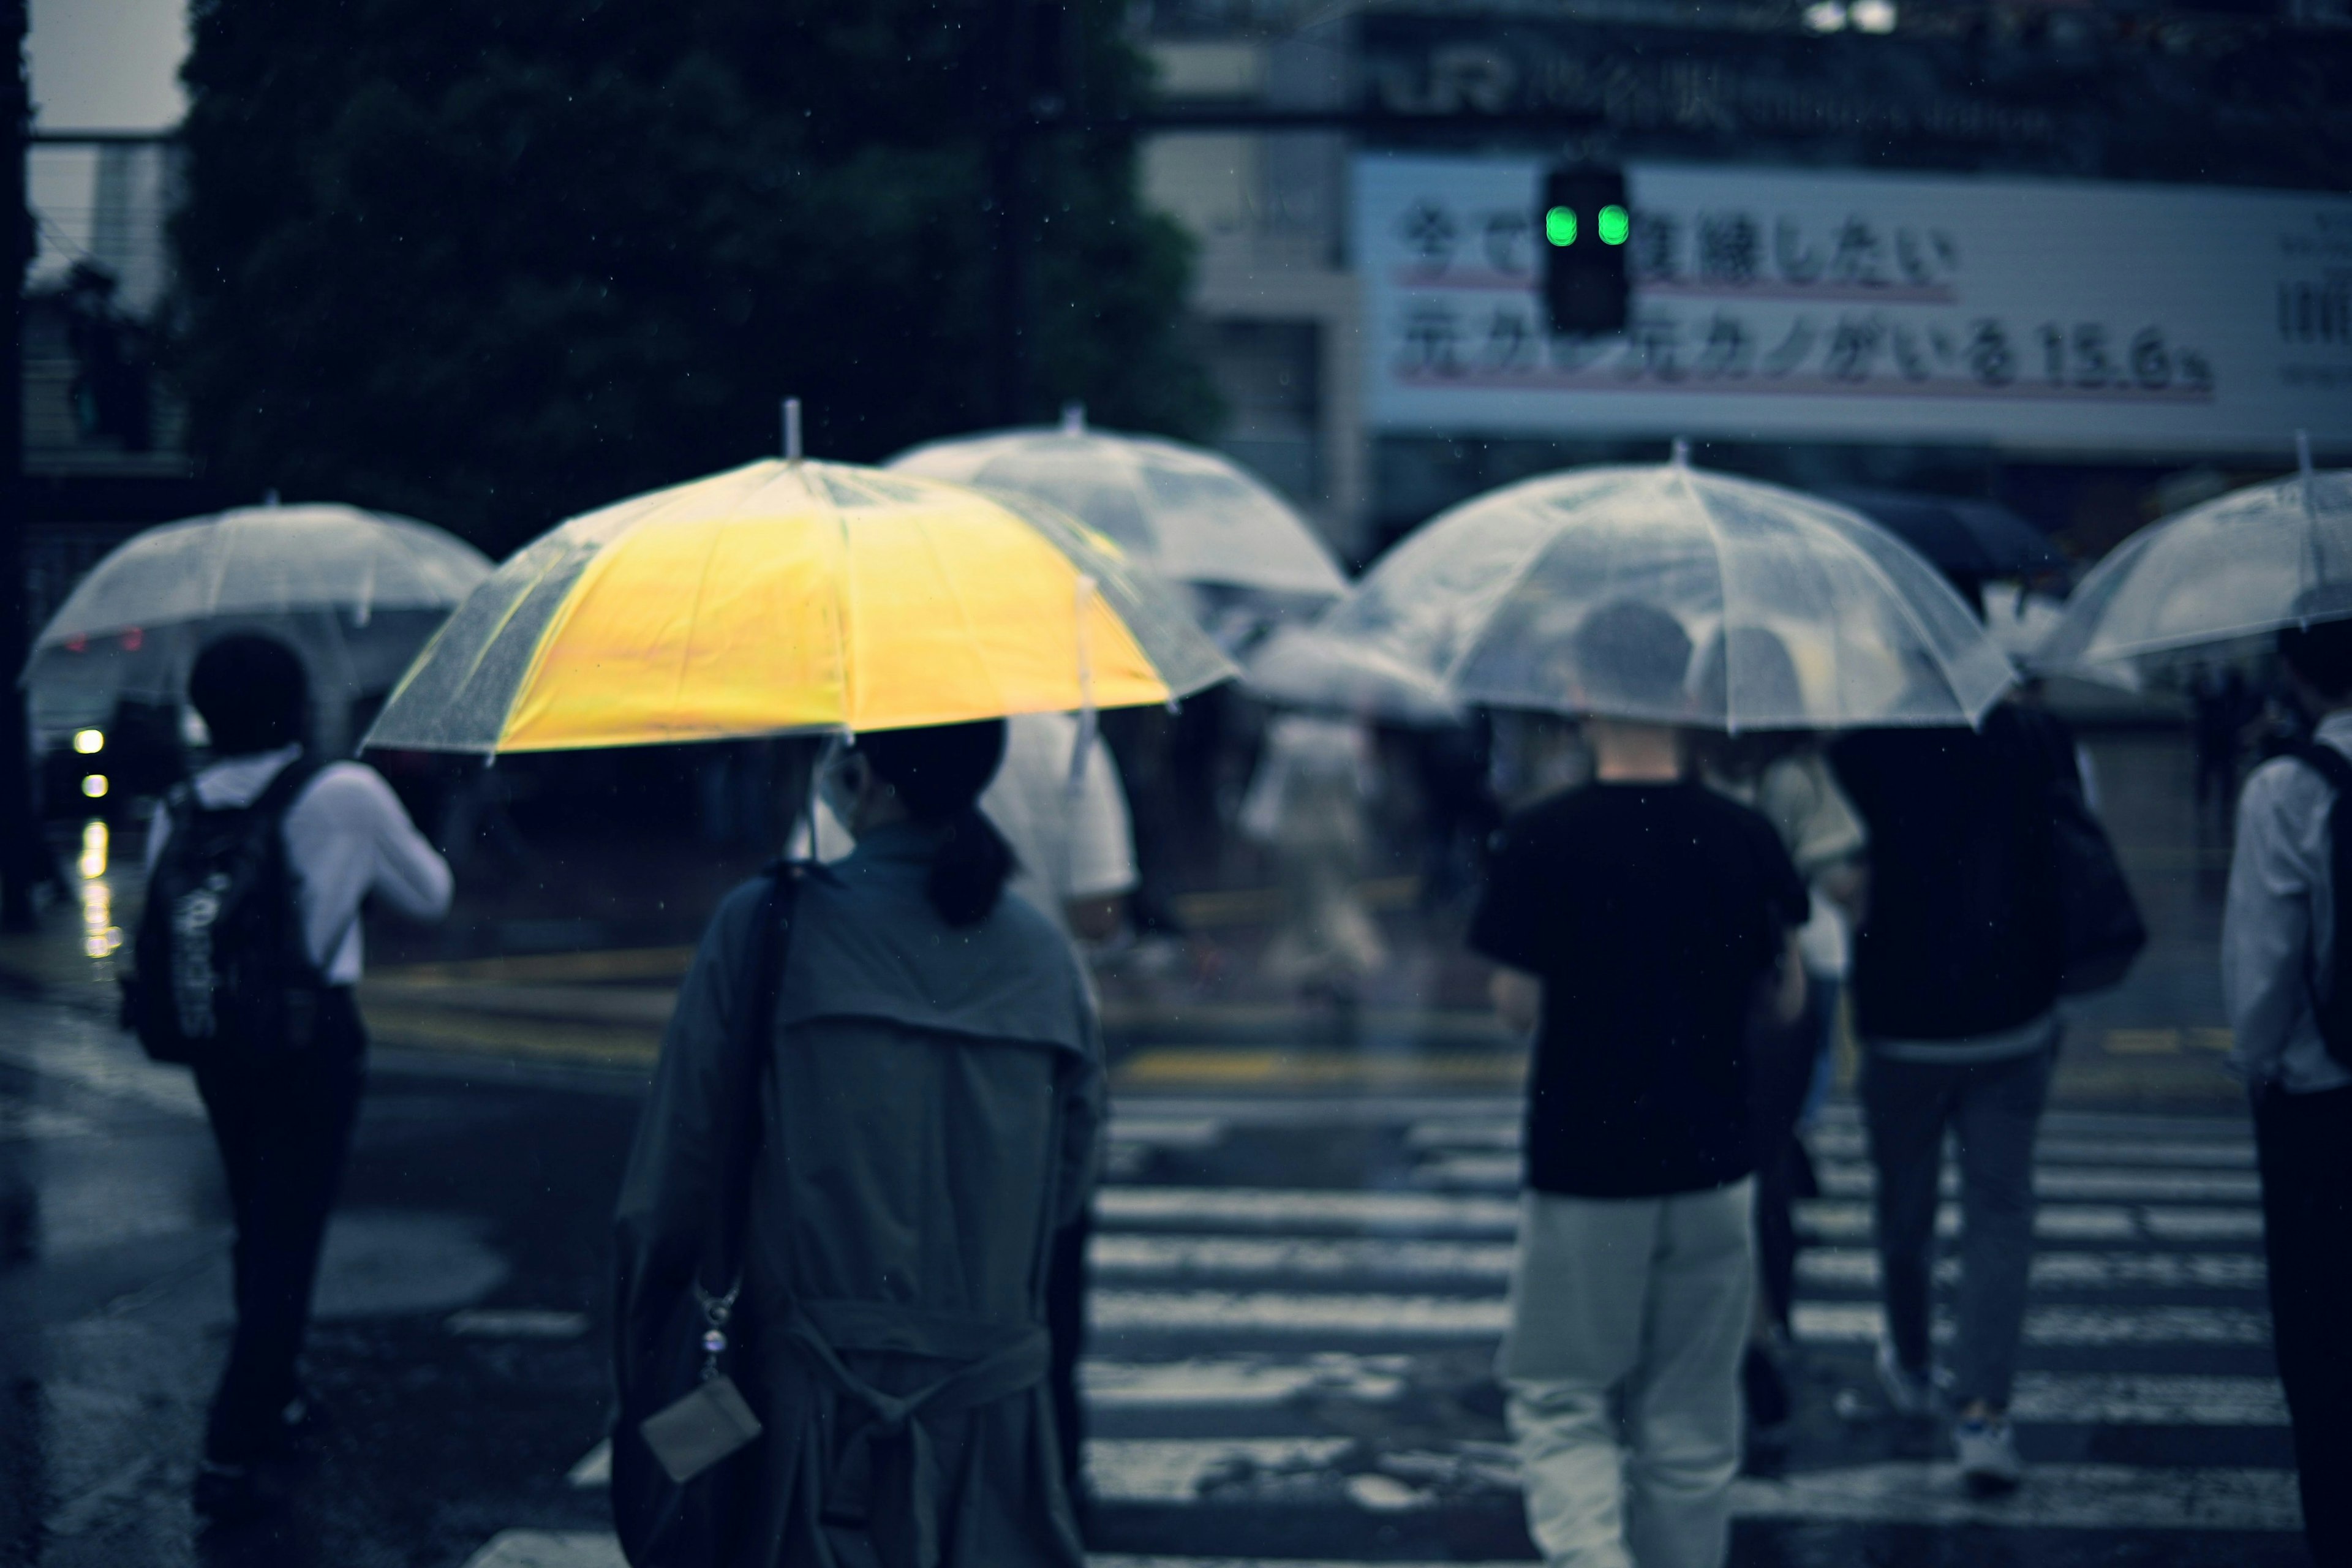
1834,306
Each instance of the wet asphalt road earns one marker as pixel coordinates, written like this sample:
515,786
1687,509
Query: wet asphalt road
114,1309
1297,1301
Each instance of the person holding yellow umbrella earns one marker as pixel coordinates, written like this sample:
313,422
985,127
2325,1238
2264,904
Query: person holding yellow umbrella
881,1091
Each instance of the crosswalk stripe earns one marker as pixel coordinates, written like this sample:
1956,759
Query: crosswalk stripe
1862,1323
1305,1212
1501,1173
1120,1255
1857,1269
1264,1209
1127,1256
1178,1472
2204,1154
2233,1153
1284,1313
1385,1316
2145,1399
1242,1382
1841,1220
1239,1382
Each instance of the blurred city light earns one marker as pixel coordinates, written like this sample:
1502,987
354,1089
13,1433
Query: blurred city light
1559,227
94,785
1826,15
94,841
1873,15
90,742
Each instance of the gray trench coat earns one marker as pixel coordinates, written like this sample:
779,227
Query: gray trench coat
929,1118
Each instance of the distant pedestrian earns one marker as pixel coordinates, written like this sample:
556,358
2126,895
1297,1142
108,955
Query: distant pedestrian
247,961
2281,969
1957,968
1783,775
1639,923
927,1099
2224,705
1306,806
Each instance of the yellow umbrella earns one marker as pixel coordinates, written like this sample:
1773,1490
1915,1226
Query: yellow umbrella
793,596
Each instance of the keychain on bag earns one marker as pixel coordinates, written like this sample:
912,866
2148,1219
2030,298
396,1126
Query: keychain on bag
695,1433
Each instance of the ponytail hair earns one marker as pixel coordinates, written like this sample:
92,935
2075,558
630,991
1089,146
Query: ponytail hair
938,774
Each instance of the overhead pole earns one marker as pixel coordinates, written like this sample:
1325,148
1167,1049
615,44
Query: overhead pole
1008,115
22,858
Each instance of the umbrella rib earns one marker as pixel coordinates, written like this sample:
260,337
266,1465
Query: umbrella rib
955,592
1714,531
1910,614
1546,538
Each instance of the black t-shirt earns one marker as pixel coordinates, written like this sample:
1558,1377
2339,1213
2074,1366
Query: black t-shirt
1652,913
1962,934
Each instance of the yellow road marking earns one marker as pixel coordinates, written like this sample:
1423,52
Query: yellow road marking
2143,1042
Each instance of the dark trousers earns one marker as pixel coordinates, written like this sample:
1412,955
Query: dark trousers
1994,1107
1066,1323
1781,1078
2304,1143
283,1126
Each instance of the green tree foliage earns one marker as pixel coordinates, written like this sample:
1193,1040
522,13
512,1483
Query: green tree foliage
496,262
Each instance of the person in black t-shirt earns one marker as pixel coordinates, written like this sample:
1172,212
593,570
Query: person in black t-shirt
1640,922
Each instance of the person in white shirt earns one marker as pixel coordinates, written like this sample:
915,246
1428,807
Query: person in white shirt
2279,928
283,1124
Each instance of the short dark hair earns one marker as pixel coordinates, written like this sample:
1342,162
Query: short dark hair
2322,654
252,693
1634,653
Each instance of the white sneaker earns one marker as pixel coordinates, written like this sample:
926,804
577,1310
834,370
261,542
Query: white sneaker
1988,1460
1910,1393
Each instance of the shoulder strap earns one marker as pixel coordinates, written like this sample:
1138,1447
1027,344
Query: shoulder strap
770,948
2327,761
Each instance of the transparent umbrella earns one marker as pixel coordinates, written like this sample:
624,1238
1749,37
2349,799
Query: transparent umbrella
1310,669
355,592
1190,515
1669,593
2241,565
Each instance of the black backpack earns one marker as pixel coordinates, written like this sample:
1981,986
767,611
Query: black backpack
220,971
2332,1012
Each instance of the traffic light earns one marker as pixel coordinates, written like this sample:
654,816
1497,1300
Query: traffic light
1584,221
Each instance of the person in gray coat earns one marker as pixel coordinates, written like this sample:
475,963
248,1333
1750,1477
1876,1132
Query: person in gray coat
929,1117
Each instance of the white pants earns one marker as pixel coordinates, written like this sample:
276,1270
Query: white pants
1646,1300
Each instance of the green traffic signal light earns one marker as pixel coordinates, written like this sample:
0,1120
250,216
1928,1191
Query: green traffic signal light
1559,227
1613,225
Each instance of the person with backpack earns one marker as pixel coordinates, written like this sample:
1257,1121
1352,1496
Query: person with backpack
1958,964
2286,974
247,952
878,1102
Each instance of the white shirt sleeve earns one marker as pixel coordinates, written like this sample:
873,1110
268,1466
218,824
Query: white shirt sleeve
1102,838
2267,925
348,838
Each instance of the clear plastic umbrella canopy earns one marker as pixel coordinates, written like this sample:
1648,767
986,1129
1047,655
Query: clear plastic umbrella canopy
1324,672
2242,564
355,592
1676,595
1189,515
